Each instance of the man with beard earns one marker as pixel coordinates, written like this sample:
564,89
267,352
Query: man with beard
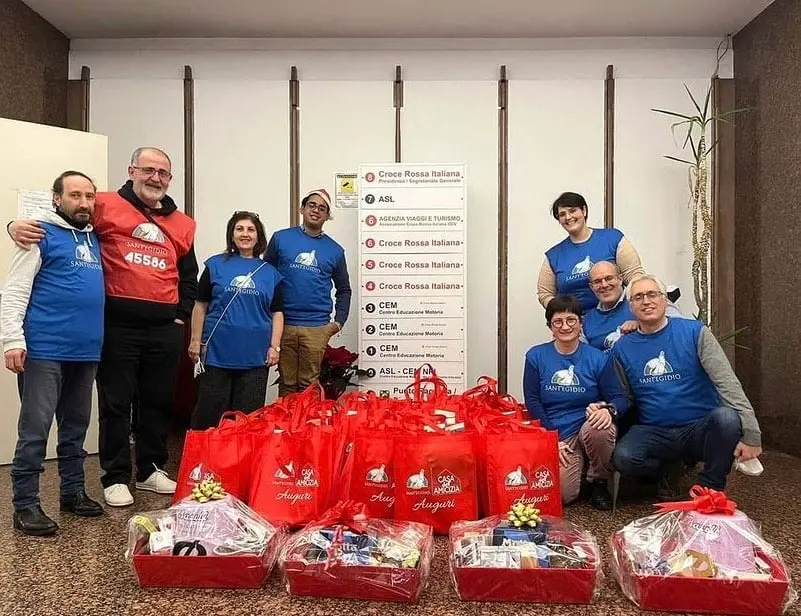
148,257
52,327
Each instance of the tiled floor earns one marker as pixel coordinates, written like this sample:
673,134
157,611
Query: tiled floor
82,572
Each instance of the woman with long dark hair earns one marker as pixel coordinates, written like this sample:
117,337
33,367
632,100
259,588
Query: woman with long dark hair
237,324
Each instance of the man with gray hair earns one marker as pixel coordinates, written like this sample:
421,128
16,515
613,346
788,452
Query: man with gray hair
691,405
148,257
612,317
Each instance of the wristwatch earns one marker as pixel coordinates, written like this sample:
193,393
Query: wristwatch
276,347
612,409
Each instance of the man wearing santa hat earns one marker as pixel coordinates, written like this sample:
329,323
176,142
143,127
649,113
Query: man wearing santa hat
311,263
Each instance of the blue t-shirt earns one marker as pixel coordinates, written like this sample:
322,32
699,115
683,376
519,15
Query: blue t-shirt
558,388
239,314
308,265
571,263
64,320
670,386
602,327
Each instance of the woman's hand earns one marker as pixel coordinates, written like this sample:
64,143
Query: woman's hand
194,351
564,453
629,326
272,356
598,416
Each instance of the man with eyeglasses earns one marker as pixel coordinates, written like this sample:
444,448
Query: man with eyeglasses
311,264
612,318
691,405
150,269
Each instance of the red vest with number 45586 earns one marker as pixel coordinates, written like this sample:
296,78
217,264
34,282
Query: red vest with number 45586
140,259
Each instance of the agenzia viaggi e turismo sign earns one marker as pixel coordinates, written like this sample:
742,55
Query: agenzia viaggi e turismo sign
412,273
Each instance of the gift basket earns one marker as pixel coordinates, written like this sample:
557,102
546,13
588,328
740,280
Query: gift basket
347,554
524,557
208,540
702,555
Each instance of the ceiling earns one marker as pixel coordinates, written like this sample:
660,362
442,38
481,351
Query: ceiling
397,19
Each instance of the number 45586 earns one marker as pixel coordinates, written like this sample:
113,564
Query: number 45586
147,260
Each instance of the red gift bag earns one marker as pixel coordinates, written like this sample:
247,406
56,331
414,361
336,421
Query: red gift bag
435,474
292,474
226,450
522,466
368,475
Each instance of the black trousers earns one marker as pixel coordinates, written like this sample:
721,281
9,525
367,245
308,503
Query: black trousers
224,389
141,360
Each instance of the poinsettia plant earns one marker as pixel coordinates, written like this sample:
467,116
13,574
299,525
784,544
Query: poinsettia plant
337,369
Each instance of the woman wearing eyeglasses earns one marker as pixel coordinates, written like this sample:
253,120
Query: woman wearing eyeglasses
567,265
237,324
572,388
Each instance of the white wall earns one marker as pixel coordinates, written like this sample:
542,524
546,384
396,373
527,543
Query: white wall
450,115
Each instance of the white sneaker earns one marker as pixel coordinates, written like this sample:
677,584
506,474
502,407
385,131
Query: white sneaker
118,495
158,482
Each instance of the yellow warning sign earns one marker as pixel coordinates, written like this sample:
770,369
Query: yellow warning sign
347,193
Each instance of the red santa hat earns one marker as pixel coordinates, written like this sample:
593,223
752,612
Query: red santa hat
322,192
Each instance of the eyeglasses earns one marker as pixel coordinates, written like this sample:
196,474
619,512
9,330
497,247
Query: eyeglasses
148,171
569,321
597,282
638,298
314,207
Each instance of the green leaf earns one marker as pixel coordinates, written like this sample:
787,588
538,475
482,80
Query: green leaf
706,102
679,160
673,113
692,98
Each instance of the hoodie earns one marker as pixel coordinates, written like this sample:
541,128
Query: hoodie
52,304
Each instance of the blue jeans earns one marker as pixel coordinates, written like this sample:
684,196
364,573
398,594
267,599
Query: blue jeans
63,390
645,450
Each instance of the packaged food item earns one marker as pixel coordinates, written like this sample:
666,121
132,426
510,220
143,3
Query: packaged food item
701,555
348,554
524,556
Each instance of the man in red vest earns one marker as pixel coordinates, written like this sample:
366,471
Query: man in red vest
150,269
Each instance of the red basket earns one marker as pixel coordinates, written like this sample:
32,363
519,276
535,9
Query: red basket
560,585
708,596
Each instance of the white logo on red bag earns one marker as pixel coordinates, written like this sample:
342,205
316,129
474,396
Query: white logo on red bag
447,483
516,479
308,478
542,479
418,481
378,476
284,472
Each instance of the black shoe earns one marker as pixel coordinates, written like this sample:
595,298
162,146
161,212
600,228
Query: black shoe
33,521
81,505
600,498
669,489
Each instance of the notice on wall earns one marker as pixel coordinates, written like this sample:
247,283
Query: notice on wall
33,203
347,194
412,274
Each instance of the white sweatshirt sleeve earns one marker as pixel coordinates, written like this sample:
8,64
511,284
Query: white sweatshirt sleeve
24,266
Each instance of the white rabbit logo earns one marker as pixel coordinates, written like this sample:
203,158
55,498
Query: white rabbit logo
658,366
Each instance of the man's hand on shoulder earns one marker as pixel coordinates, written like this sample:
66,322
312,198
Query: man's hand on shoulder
25,232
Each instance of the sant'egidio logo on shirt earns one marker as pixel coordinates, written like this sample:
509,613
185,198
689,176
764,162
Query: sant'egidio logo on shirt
148,232
659,369
84,257
581,269
566,381
306,261
242,284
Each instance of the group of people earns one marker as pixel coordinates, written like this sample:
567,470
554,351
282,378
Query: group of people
629,383
101,288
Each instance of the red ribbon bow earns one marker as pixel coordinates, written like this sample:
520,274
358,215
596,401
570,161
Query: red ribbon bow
704,500
349,513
